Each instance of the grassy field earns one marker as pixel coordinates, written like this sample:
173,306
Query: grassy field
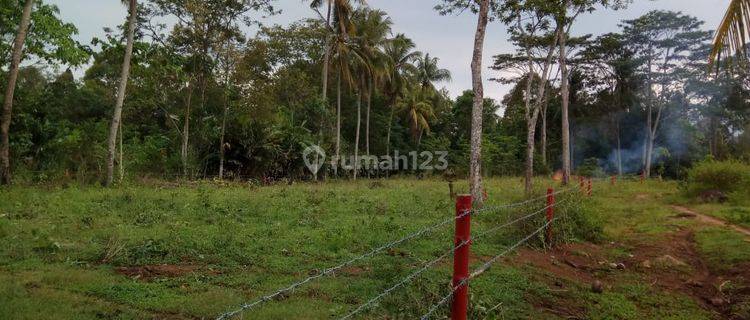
194,251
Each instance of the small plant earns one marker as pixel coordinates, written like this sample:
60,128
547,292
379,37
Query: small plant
112,250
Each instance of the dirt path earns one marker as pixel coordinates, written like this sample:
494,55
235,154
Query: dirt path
709,220
671,264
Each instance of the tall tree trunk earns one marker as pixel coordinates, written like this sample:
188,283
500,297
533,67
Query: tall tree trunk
644,151
117,115
475,169
647,146
23,28
649,120
17,55
388,135
367,116
326,57
186,130
649,154
619,148
392,103
530,136
532,111
356,136
565,92
121,161
222,149
222,142
338,121
530,126
543,152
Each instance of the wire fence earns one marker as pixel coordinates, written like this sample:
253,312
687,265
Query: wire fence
486,266
428,265
417,234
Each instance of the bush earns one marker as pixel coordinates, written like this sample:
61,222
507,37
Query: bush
729,177
579,220
591,168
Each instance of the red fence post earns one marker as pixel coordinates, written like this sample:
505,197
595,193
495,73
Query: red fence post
460,305
550,213
614,180
581,181
590,188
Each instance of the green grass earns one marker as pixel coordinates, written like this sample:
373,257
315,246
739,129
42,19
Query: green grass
723,248
62,246
732,212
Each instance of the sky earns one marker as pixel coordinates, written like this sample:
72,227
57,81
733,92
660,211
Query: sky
450,38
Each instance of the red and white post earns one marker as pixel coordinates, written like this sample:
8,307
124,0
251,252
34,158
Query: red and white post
550,213
460,305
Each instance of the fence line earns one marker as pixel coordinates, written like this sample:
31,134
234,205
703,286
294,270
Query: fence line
522,203
481,270
410,277
428,265
369,254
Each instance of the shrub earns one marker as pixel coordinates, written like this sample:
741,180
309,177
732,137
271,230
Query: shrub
591,168
730,177
579,220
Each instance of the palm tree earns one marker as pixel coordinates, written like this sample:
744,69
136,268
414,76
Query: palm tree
372,29
341,11
416,107
15,64
117,115
428,72
733,32
400,56
345,56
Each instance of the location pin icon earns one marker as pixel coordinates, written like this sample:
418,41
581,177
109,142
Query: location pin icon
314,157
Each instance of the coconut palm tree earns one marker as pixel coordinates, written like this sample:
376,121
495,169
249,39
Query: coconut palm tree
345,56
340,11
15,64
372,30
415,105
400,55
117,115
429,72
733,33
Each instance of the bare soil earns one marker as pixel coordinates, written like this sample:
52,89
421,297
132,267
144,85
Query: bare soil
671,264
709,220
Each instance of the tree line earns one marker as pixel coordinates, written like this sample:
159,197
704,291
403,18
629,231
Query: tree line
218,93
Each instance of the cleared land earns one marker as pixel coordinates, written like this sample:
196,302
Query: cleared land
194,251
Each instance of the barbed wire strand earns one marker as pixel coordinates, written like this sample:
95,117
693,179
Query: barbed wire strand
409,278
429,229
522,203
428,265
486,266
331,270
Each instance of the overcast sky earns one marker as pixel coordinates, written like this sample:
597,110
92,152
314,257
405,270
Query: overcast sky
448,38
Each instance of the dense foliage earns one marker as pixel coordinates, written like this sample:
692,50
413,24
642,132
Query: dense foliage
205,93
732,178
